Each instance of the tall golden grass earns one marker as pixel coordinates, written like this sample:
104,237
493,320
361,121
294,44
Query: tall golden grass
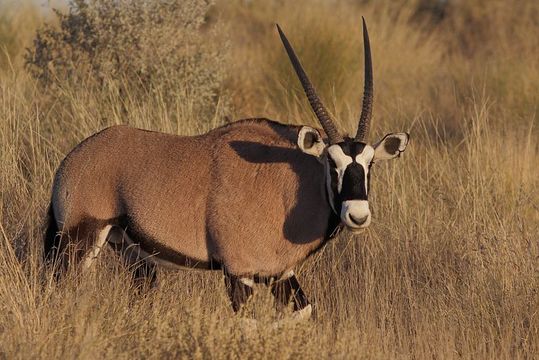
449,267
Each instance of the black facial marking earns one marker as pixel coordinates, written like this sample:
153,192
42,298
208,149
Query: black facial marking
352,148
353,183
369,178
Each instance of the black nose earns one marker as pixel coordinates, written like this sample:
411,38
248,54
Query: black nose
359,221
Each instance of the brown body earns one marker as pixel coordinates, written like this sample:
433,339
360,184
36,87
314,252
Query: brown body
242,195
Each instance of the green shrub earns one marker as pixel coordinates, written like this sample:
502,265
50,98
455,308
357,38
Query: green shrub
140,48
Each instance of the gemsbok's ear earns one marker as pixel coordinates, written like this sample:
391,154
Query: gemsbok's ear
391,146
310,141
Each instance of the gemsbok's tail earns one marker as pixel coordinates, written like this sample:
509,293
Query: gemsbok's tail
52,239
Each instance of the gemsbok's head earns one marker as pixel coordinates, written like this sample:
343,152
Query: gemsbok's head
347,160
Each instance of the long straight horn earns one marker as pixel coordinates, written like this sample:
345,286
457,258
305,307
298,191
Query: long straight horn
317,106
368,91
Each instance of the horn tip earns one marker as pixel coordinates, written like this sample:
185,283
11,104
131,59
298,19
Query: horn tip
279,28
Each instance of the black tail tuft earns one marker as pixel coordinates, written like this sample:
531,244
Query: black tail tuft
52,238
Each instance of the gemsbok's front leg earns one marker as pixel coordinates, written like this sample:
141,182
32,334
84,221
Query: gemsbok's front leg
287,290
239,290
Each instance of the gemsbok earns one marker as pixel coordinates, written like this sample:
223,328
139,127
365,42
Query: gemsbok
253,198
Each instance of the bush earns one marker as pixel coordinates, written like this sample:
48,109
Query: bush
138,47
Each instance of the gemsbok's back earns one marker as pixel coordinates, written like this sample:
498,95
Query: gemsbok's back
253,198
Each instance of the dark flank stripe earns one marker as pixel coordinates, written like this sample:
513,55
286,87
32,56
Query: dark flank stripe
152,246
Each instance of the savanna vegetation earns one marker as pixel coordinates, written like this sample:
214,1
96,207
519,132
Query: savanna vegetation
448,269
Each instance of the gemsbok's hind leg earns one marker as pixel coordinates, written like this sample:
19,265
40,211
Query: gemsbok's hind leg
143,270
78,246
239,290
287,290
92,254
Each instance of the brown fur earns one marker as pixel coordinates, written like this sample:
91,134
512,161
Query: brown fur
241,195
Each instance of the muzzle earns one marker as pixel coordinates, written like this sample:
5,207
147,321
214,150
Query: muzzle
355,214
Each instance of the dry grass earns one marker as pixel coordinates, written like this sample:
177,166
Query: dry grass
450,266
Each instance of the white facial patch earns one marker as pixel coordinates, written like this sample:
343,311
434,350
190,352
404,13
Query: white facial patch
341,161
366,155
